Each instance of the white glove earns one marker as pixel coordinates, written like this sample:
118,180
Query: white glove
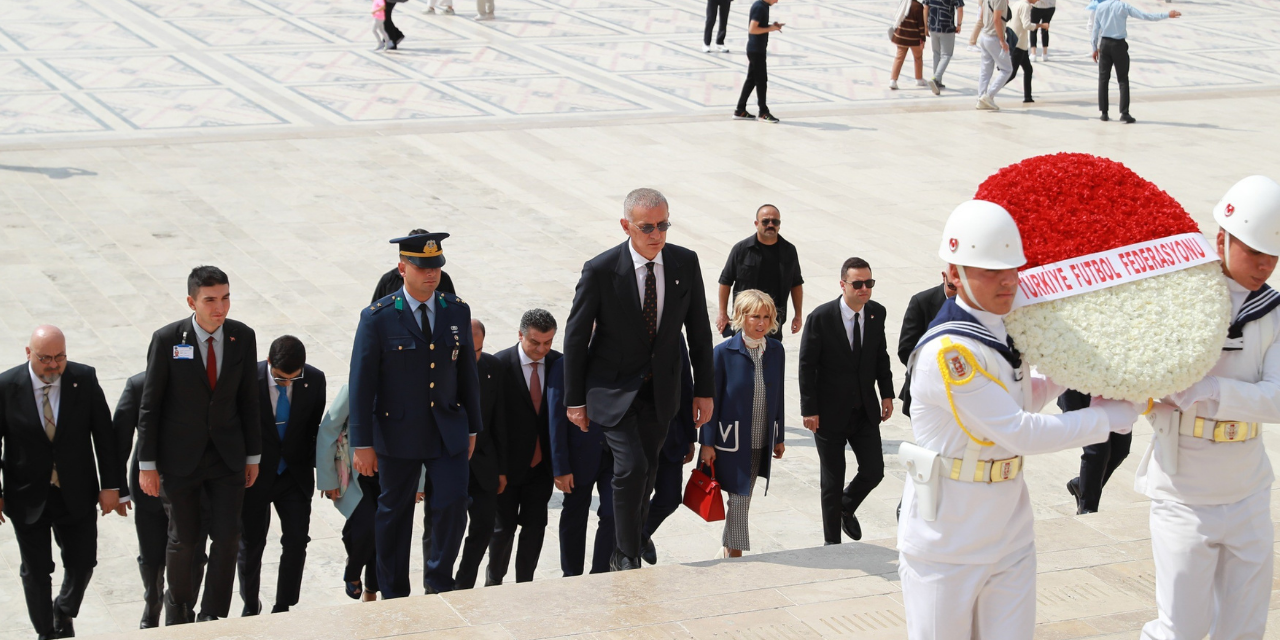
1121,414
1205,389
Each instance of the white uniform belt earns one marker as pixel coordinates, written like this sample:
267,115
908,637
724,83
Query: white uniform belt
1221,430
986,471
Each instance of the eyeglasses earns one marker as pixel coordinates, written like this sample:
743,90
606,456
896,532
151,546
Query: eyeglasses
282,380
771,222
60,358
945,281
870,283
650,228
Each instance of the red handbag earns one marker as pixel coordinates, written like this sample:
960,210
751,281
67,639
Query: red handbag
702,495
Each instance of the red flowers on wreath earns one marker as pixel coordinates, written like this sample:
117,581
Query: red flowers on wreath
1074,204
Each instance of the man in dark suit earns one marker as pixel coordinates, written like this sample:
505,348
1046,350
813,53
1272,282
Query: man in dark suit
415,401
921,310
54,426
677,451
580,462
199,439
149,519
392,281
487,464
528,447
843,356
291,394
622,355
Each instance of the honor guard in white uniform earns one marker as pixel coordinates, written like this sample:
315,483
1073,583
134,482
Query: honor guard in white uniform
1206,471
967,549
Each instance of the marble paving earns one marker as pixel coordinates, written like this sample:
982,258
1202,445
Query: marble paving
107,69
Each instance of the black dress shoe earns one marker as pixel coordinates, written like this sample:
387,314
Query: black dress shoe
246,611
649,553
206,617
148,624
899,514
1073,488
619,562
1127,119
279,608
62,623
1104,117
849,523
431,590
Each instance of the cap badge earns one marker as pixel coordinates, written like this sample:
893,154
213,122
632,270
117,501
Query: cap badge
1230,210
954,244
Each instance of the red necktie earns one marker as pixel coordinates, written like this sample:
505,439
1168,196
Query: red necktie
535,394
211,365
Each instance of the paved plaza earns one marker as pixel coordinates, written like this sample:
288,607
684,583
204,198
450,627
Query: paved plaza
138,139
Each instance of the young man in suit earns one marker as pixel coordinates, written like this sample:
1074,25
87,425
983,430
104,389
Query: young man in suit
488,479
199,439
921,310
54,426
843,356
415,401
149,519
622,355
292,397
528,447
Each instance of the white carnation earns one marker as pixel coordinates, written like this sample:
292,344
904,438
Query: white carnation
1134,341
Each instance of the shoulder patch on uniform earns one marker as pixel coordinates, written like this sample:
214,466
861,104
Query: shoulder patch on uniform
957,366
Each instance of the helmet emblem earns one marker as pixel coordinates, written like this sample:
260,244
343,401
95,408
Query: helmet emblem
1230,210
955,244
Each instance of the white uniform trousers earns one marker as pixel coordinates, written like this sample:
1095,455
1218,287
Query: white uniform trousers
1213,569
947,601
996,66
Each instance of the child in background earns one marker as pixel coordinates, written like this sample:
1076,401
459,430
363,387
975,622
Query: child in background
379,29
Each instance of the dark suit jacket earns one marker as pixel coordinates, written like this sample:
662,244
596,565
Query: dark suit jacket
411,397
829,374
681,433
126,422
180,414
489,458
83,437
306,408
604,370
523,426
921,310
392,281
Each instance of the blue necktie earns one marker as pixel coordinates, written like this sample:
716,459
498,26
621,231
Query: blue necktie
282,421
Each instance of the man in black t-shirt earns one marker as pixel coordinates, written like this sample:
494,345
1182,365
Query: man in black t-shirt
767,262
757,75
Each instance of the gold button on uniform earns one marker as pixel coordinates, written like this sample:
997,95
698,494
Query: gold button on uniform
433,365
433,385
433,404
400,348
433,347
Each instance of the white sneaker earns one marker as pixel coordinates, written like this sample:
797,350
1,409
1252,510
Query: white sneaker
706,48
991,103
722,49
986,104
933,86
1039,58
1045,56
893,84
974,48
921,82
448,11
480,17
430,11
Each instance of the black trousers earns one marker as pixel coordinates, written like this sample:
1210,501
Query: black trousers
863,436
714,7
668,495
1022,59
358,536
152,527
636,443
522,505
757,80
184,497
393,32
577,510
482,514
1113,53
293,506
1098,461
77,538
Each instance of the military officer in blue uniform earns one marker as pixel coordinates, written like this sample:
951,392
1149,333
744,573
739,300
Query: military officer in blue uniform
415,402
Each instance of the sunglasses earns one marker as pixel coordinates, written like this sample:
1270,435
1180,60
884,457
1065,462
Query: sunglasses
650,228
771,222
858,284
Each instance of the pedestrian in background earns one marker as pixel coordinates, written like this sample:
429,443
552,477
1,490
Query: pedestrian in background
1041,15
757,67
996,65
944,18
908,34
1111,49
714,7
1020,55
767,262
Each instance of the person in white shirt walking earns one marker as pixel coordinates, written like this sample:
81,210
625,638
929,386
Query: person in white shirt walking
1020,52
1206,470
1110,49
996,65
967,556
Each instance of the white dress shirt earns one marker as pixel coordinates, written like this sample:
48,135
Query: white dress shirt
658,273
848,315
202,346
526,367
273,390
55,395
413,308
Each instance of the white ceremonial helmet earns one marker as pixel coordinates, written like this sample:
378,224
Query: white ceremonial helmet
1250,211
981,234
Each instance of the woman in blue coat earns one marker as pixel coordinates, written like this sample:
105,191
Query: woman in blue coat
746,423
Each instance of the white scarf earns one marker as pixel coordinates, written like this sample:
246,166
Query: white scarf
753,343
904,7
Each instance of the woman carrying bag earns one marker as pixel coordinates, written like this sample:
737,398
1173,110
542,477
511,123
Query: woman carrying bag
355,496
746,424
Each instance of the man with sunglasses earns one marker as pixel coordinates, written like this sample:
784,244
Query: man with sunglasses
294,395
622,356
921,310
843,357
767,262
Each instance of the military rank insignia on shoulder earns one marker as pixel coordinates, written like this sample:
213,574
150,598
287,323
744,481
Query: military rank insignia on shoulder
957,362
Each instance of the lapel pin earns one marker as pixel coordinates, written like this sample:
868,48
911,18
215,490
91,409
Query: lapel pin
75,384
677,282
233,338
304,384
